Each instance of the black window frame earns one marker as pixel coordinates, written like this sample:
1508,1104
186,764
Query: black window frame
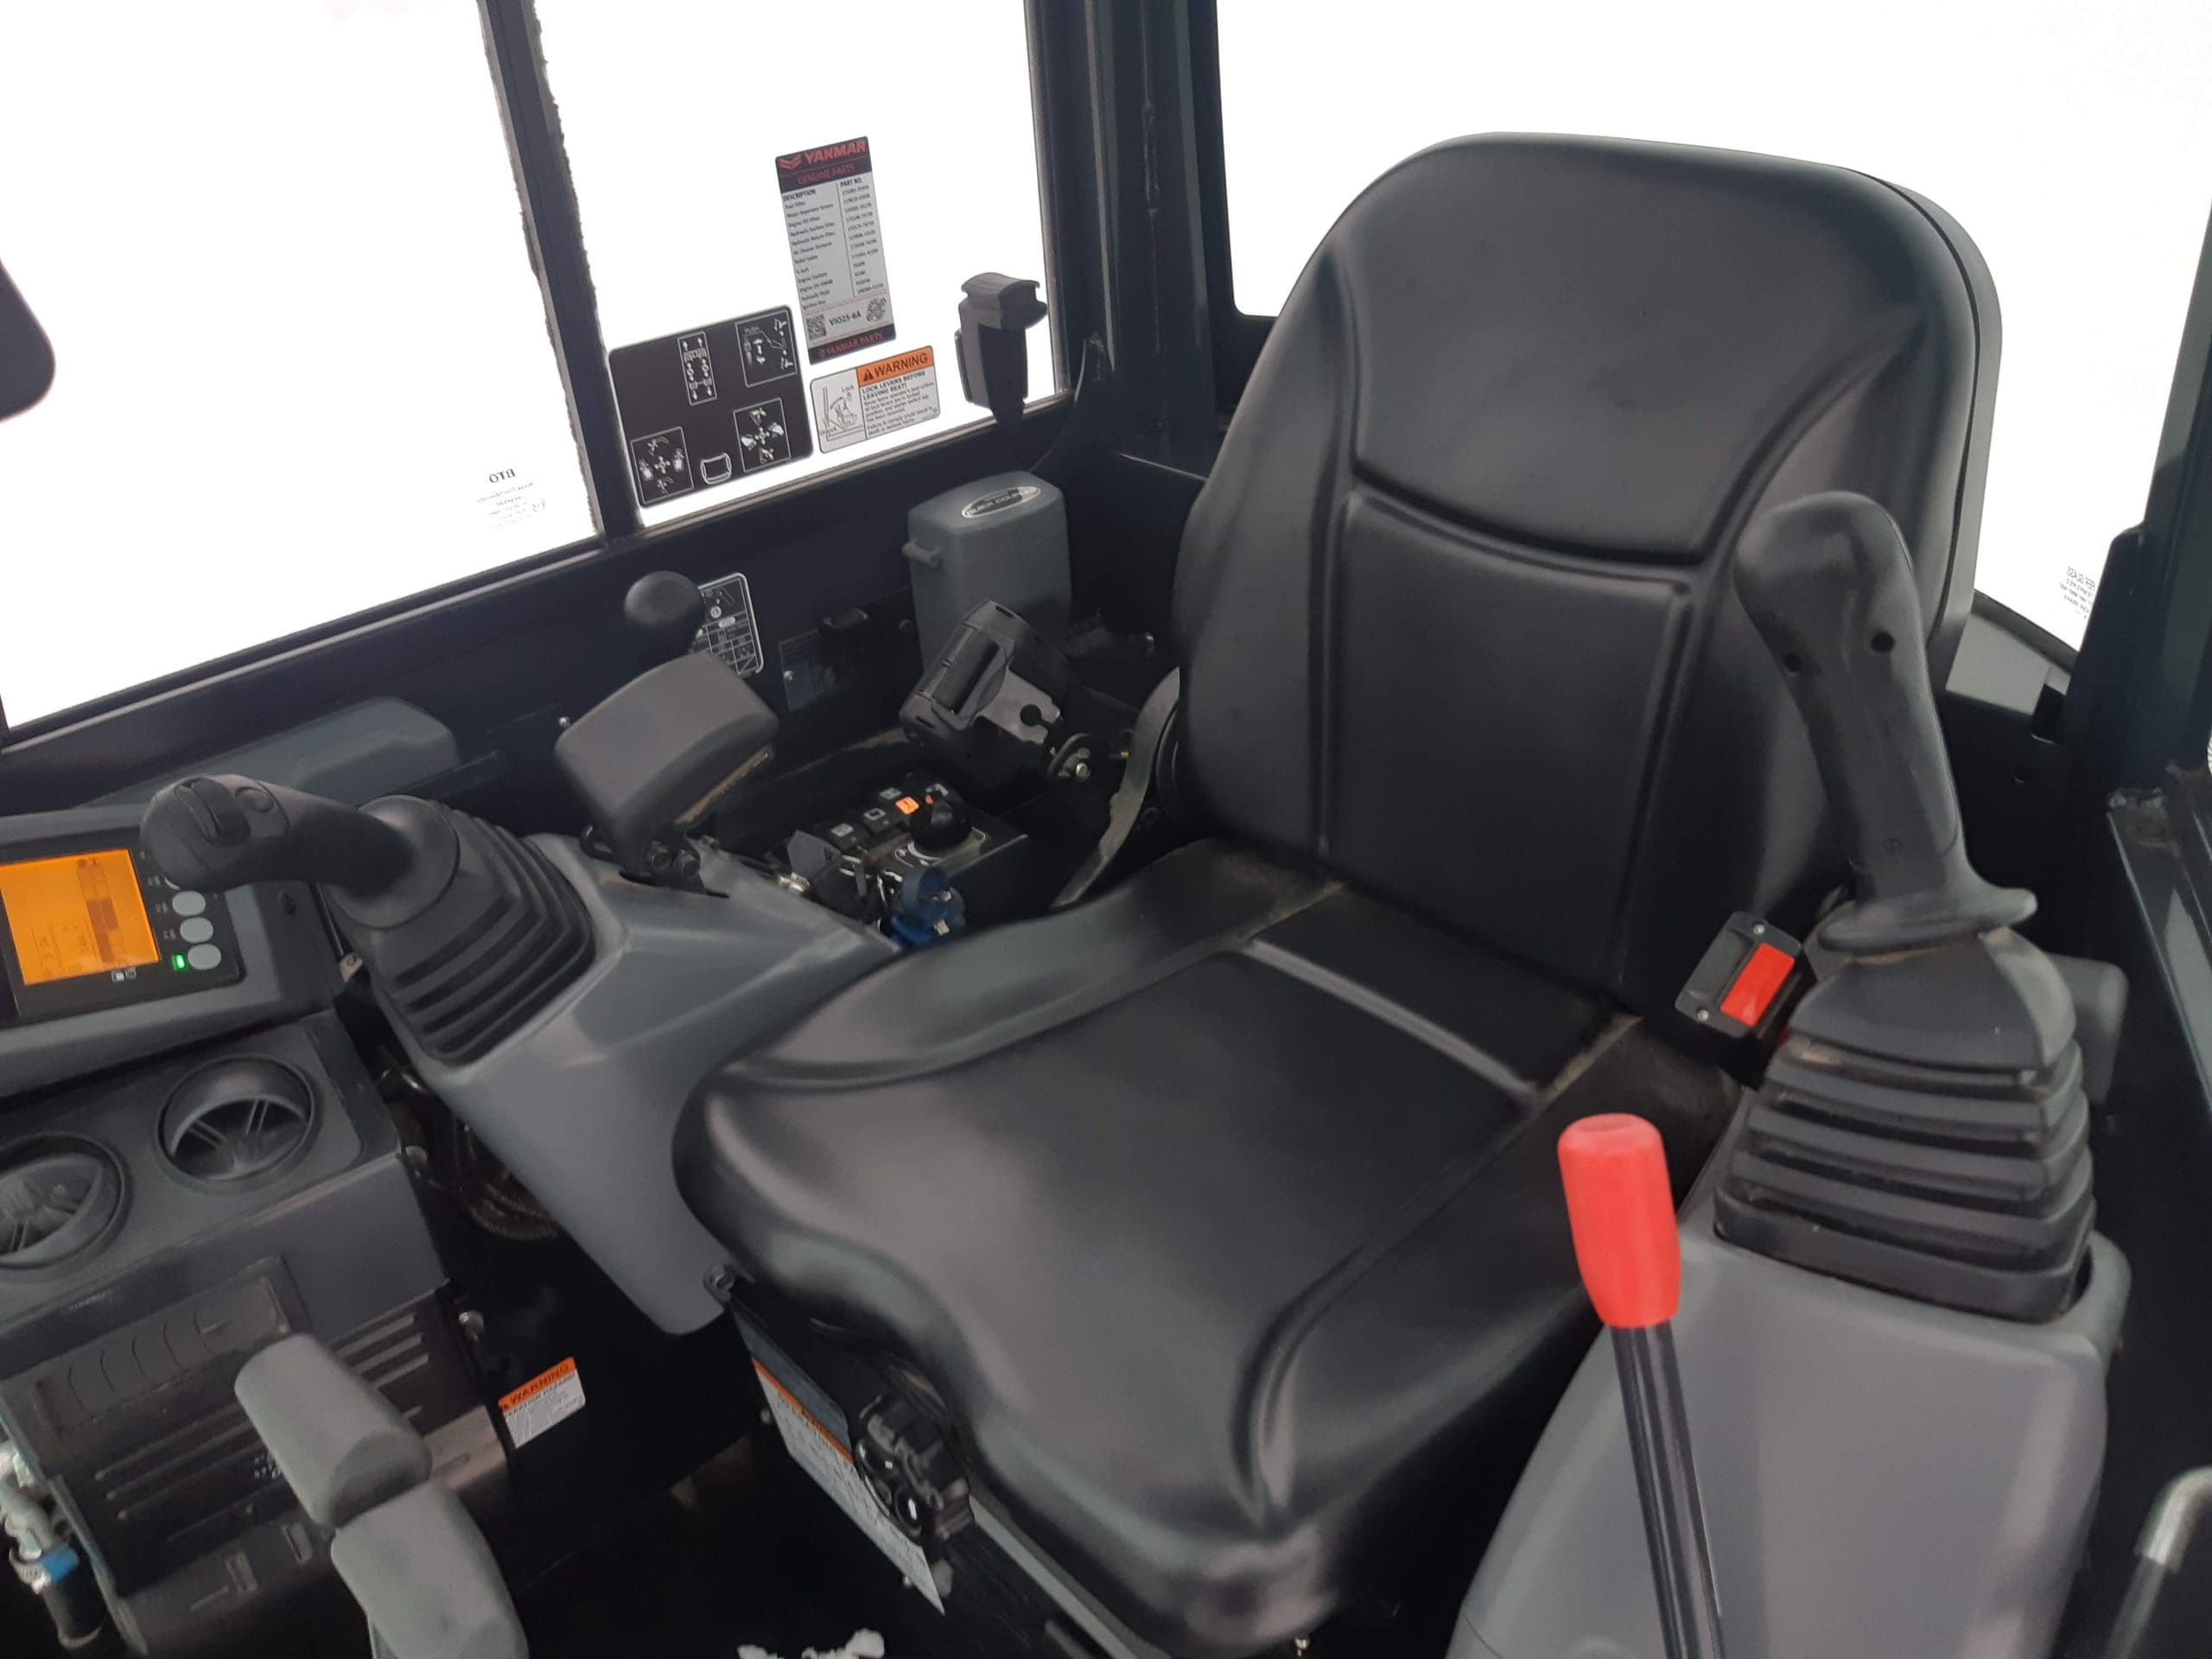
231,694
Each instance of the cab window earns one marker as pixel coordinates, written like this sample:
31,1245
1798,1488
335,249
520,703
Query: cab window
2073,142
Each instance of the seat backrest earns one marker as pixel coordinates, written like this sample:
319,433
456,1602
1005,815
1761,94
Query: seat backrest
1454,605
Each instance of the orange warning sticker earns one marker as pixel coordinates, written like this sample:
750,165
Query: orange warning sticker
890,368
550,1398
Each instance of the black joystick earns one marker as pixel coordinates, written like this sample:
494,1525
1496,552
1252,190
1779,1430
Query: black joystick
1827,582
1923,1127
944,822
379,863
667,612
466,930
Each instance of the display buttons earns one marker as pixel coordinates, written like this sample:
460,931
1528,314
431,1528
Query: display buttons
188,903
197,931
843,837
205,957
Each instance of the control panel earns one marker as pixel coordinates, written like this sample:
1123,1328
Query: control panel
103,959
915,858
87,923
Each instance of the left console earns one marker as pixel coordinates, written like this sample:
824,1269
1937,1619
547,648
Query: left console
194,1164
103,959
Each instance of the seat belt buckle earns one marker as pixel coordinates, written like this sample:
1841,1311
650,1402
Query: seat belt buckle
1748,980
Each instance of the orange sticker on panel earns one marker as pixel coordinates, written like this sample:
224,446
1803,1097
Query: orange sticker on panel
552,1396
890,368
873,400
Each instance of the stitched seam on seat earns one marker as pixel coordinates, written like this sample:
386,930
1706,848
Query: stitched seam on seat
1522,1091
1258,1404
1321,641
1863,355
1035,1022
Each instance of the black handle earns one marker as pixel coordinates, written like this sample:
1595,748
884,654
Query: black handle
665,608
224,832
1828,583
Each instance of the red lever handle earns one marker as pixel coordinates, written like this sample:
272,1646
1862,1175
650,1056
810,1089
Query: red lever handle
1622,1209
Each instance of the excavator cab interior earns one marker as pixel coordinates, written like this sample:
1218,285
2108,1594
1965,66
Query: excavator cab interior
1152,829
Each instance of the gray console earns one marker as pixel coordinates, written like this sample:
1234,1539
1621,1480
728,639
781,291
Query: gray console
1880,1476
217,1200
582,1102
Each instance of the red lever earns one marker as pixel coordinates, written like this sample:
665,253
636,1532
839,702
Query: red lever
1622,1209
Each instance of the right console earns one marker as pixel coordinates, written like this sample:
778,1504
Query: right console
1895,1317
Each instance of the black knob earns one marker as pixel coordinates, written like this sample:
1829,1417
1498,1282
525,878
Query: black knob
1827,583
943,822
666,610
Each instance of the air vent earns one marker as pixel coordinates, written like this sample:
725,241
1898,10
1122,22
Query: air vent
237,1119
58,1198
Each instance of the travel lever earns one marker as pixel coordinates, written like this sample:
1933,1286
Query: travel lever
1827,583
1621,1211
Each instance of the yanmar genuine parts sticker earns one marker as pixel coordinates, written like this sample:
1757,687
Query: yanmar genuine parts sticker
844,286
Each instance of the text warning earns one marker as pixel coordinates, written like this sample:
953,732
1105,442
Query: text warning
871,400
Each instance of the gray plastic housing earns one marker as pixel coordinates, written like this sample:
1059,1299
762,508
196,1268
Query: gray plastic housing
582,1102
340,1445
1880,1476
1003,537
383,747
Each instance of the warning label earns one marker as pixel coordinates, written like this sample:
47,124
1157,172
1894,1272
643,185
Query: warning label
816,1434
870,399
549,1397
829,218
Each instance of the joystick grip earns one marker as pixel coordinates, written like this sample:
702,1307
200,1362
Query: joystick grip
380,864
1829,586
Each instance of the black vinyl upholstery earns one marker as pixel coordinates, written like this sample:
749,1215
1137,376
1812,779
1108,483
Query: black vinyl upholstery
1217,1212
1462,565
1220,1213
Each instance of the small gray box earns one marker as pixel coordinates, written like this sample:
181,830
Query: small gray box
1004,538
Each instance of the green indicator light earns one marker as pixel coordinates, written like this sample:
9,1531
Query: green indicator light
177,963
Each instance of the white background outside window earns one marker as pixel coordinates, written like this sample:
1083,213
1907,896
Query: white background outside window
2072,138
277,247
674,110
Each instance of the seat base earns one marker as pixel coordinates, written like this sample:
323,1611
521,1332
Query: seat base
1212,1222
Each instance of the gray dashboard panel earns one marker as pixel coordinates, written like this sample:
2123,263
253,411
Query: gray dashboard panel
290,968
383,747
581,1103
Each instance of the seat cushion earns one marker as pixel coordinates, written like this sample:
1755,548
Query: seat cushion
1221,1214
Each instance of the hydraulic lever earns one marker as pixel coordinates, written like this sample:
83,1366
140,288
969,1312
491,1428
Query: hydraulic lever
381,863
1829,586
1923,1126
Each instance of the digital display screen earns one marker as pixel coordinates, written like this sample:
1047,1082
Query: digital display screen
79,914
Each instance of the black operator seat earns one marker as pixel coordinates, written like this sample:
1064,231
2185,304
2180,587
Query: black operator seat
1221,1213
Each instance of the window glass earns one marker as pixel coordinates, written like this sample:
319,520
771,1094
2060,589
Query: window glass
302,362
2073,140
780,208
